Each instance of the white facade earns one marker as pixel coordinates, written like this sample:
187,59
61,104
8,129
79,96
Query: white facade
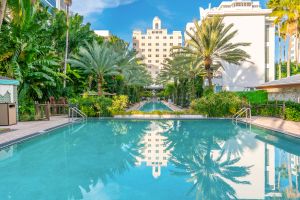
255,27
295,50
103,33
154,153
155,45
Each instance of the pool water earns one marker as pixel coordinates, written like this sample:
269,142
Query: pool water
152,106
151,160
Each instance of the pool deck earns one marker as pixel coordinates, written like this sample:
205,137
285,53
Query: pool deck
276,124
25,130
172,106
136,106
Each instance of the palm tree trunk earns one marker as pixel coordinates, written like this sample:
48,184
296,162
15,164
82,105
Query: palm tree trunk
288,67
279,65
209,76
2,11
100,80
67,45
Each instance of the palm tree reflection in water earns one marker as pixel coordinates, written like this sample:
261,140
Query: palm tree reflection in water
199,156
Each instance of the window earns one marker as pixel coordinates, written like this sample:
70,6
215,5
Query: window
149,66
157,61
165,44
157,37
157,151
171,44
164,55
157,44
149,50
156,25
157,50
179,37
143,50
149,37
171,37
149,44
165,37
149,55
134,44
143,44
179,44
156,55
143,37
134,37
149,151
149,61
165,50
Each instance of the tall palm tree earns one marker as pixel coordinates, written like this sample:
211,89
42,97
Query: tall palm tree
68,3
97,60
210,46
2,11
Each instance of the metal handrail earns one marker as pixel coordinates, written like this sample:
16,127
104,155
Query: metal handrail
73,110
241,112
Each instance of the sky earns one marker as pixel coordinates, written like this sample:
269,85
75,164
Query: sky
121,17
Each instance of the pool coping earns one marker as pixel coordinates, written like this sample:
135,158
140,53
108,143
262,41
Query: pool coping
35,134
156,117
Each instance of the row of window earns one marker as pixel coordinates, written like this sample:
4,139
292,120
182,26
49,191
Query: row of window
157,55
156,151
157,145
157,158
156,50
156,44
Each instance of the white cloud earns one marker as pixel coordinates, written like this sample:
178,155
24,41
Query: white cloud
165,11
86,7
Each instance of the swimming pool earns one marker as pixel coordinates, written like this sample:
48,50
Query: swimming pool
152,106
146,160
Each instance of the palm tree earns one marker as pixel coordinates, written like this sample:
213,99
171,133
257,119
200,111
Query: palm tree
210,46
2,11
68,3
97,60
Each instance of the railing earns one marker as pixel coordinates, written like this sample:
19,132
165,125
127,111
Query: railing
46,110
74,112
240,113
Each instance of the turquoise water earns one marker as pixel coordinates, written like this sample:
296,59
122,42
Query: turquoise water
151,106
150,160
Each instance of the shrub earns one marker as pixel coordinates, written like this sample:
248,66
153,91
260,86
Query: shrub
292,111
26,111
221,104
119,104
94,106
254,97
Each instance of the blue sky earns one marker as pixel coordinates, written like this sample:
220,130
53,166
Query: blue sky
122,16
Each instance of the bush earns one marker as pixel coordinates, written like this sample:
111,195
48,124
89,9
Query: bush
119,104
94,106
26,111
254,97
221,104
292,111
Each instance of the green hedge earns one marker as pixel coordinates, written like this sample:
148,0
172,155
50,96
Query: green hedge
94,106
254,97
275,109
222,104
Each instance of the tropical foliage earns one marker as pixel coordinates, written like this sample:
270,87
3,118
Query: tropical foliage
223,104
287,13
28,55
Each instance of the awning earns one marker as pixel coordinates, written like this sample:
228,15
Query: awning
8,81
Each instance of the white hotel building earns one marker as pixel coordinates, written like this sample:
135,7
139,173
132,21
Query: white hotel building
254,26
155,45
295,50
59,4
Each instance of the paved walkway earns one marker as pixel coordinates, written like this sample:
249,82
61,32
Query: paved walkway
136,106
172,106
24,130
277,124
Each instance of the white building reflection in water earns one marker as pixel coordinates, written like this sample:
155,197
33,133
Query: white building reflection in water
154,153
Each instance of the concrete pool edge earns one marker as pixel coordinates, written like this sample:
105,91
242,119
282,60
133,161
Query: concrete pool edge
142,117
32,135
